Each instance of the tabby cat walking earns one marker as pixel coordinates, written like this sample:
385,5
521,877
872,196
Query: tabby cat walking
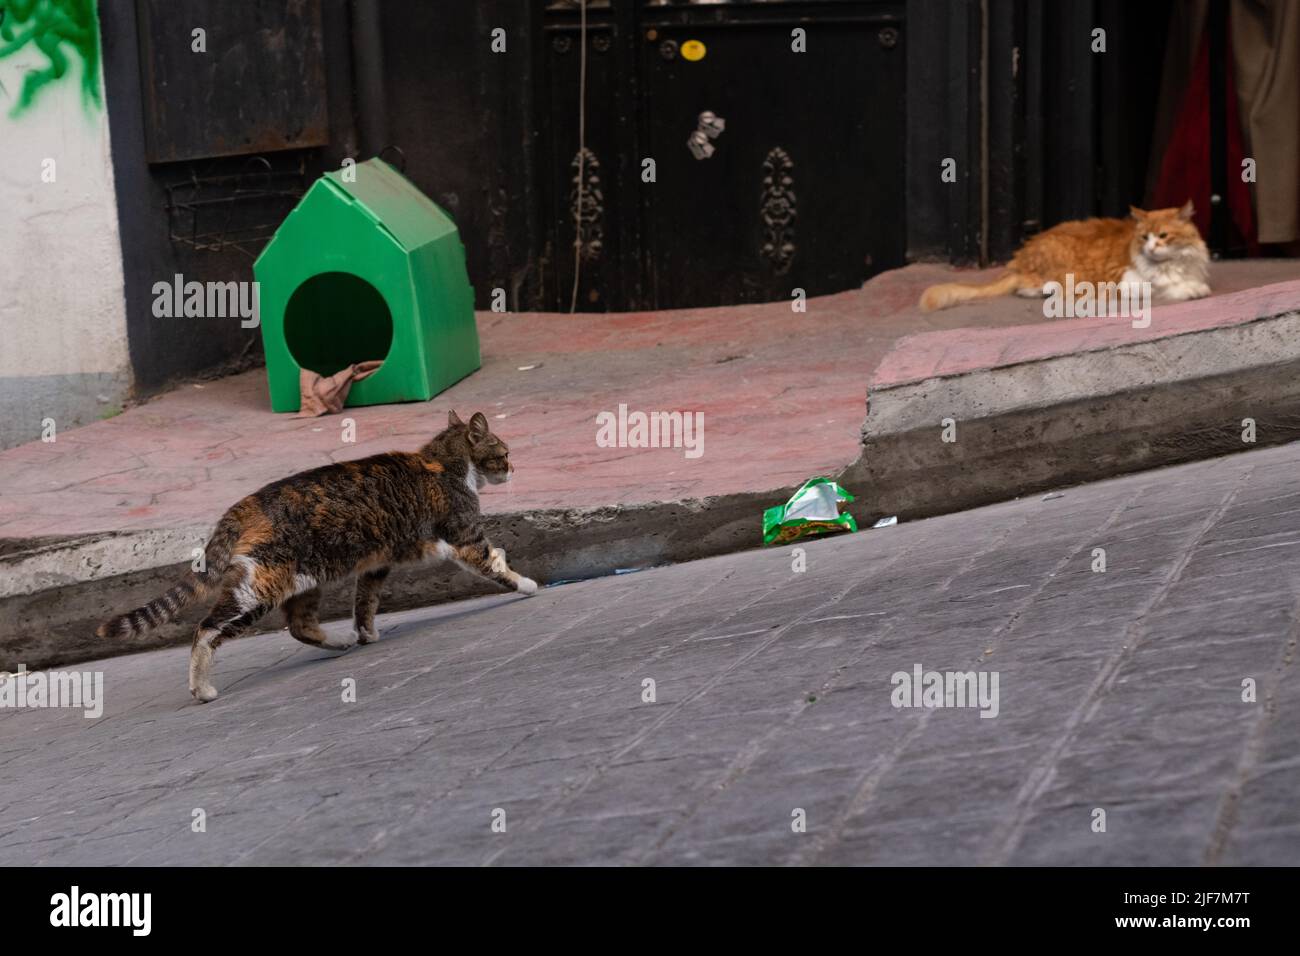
276,547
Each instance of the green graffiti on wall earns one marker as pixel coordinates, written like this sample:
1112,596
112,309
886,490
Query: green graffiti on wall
49,25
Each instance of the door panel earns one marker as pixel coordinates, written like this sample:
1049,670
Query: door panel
202,105
804,188
607,259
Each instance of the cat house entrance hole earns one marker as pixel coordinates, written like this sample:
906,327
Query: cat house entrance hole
335,319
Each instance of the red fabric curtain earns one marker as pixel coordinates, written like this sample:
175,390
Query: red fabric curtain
1185,168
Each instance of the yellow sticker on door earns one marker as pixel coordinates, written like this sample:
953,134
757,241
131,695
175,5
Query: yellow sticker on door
693,50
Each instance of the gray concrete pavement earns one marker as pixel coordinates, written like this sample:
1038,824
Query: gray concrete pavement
1118,691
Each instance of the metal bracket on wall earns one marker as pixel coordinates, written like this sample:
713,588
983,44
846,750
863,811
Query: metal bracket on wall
240,210
710,126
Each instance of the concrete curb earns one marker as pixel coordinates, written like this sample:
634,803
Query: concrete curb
1063,419
1036,407
48,614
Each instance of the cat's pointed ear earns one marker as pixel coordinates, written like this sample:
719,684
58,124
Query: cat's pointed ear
478,426
1135,212
1187,212
453,419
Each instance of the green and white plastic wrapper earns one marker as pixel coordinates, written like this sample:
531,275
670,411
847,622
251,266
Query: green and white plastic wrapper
813,509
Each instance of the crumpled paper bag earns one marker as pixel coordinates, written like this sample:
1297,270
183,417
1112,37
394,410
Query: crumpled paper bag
325,394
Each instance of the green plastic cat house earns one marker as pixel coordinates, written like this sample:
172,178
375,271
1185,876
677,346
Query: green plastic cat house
366,267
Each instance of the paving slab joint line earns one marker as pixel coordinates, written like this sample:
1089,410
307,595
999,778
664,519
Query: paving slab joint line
1226,818
600,768
755,748
1040,774
863,793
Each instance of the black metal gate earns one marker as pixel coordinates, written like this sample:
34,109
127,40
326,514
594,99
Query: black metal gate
734,151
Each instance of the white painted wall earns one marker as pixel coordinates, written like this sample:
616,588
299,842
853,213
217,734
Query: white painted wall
63,350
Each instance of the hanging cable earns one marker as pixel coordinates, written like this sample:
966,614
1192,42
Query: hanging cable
582,155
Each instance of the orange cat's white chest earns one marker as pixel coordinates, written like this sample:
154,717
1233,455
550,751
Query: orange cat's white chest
1175,279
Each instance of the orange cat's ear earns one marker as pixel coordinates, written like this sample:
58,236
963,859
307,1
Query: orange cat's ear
1187,212
1135,212
453,419
478,425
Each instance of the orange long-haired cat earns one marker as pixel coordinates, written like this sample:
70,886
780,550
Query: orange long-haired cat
1161,247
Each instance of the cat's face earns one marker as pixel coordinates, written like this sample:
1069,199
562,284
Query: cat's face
1161,234
487,453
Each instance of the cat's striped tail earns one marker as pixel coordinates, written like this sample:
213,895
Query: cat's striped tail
216,558
951,293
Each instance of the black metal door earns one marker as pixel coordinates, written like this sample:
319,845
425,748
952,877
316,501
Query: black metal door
802,186
606,258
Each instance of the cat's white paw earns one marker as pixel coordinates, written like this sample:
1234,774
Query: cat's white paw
366,637
340,643
526,586
204,693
